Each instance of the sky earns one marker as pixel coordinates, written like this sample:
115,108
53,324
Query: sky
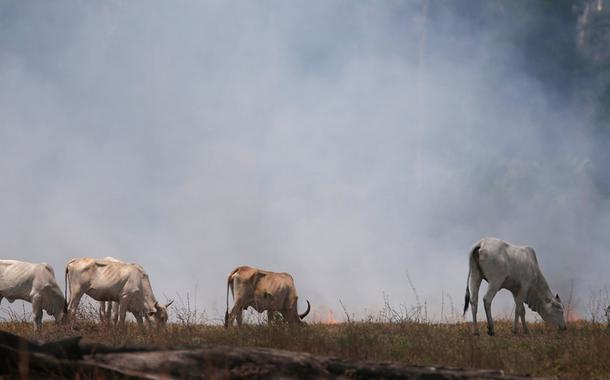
364,147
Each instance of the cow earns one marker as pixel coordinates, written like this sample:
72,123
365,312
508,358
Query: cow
34,283
515,268
110,310
106,307
264,291
113,281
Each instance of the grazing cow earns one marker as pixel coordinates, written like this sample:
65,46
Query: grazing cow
113,281
264,291
107,307
506,266
34,283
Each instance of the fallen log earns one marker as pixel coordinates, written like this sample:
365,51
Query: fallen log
71,358
252,363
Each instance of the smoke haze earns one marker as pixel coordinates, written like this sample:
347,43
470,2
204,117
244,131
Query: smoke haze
347,143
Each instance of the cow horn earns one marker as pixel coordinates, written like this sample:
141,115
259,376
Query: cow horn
169,303
306,311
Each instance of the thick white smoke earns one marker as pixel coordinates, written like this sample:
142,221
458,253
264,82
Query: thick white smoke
346,143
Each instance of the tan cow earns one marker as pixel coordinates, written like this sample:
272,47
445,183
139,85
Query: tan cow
113,281
264,291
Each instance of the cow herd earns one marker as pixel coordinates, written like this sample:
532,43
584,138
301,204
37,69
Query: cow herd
122,287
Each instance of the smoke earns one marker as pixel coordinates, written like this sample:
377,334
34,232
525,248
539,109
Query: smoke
346,143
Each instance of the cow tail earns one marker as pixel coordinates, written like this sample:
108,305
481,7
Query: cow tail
66,289
471,257
66,283
467,297
229,286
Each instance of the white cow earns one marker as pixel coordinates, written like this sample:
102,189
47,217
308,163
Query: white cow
106,308
113,281
506,266
34,283
110,310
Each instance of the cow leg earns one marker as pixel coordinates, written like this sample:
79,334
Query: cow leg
270,315
37,310
239,316
475,284
519,311
114,310
489,296
235,314
522,315
105,311
101,311
75,296
122,310
109,311
516,320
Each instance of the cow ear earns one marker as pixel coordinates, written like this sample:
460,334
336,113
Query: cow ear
557,297
156,304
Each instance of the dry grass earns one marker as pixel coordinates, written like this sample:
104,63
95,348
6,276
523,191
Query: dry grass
581,352
402,333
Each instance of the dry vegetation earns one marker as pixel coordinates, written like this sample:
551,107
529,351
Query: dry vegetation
581,352
403,334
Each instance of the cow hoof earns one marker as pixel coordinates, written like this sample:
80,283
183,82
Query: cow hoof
490,333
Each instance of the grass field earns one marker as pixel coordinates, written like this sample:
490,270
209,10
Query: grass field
583,351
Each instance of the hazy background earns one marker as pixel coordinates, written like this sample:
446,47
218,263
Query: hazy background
347,143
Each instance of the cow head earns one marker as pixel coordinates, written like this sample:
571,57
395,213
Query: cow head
292,316
160,313
552,312
58,312
54,303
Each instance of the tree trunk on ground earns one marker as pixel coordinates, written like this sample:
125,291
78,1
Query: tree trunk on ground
70,358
